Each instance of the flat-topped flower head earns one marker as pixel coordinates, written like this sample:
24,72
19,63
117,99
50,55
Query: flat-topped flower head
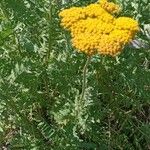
95,29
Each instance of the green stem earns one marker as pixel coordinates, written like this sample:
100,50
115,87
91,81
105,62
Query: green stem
81,100
50,32
84,78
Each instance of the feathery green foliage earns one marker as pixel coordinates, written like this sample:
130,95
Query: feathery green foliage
41,83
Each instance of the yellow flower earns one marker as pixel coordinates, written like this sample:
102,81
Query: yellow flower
96,11
108,46
109,6
121,36
72,15
126,23
86,43
95,30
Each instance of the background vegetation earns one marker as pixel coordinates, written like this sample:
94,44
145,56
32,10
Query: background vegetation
41,81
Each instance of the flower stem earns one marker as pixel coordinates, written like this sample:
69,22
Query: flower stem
81,100
84,78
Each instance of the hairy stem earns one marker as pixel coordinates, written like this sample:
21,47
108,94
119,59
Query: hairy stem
81,100
84,78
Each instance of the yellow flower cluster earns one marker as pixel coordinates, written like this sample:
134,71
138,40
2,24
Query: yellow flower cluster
95,30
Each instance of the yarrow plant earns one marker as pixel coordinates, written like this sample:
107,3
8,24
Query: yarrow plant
95,29
51,98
